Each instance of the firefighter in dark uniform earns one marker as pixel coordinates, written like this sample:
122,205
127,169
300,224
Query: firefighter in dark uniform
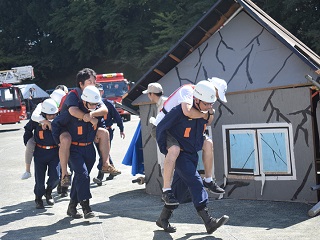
46,154
112,117
85,77
82,151
189,133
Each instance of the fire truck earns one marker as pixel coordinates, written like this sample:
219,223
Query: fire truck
115,86
12,105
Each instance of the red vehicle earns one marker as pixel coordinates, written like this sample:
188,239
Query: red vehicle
12,106
115,86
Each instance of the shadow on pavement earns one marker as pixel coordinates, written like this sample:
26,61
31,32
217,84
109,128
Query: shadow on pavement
139,205
248,213
9,130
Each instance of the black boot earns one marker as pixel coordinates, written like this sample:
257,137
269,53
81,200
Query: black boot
64,191
98,179
48,196
163,220
72,210
59,188
39,202
87,212
211,223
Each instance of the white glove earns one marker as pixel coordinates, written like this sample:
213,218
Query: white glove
152,120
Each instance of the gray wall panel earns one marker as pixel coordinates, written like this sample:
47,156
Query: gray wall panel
282,105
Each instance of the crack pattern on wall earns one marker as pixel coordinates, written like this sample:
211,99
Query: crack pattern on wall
200,55
180,79
300,127
246,60
218,116
304,113
283,65
217,50
150,114
274,110
303,183
256,38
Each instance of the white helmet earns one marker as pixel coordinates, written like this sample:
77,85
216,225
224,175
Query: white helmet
49,106
57,95
63,88
91,94
205,91
221,85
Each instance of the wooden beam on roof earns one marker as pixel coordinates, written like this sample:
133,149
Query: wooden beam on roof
205,32
218,25
159,72
191,47
174,58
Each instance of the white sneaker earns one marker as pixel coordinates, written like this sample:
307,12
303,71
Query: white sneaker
26,175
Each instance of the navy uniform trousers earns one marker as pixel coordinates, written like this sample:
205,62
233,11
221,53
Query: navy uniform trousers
46,159
82,159
187,177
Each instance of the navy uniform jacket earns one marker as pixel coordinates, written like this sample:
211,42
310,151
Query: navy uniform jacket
42,137
113,116
79,130
188,132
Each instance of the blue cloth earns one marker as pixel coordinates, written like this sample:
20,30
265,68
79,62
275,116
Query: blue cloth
134,155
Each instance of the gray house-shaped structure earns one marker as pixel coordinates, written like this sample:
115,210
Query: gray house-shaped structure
265,136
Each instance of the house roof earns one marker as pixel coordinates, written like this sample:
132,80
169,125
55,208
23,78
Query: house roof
215,18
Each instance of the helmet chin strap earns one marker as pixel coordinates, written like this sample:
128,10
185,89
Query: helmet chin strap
198,104
86,105
89,109
199,108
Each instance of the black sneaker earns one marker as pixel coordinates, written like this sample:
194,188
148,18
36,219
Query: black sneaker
169,198
213,187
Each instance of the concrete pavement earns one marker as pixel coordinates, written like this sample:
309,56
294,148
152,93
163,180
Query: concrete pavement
124,211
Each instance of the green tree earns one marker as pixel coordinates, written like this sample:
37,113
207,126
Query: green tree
58,37
171,22
300,17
